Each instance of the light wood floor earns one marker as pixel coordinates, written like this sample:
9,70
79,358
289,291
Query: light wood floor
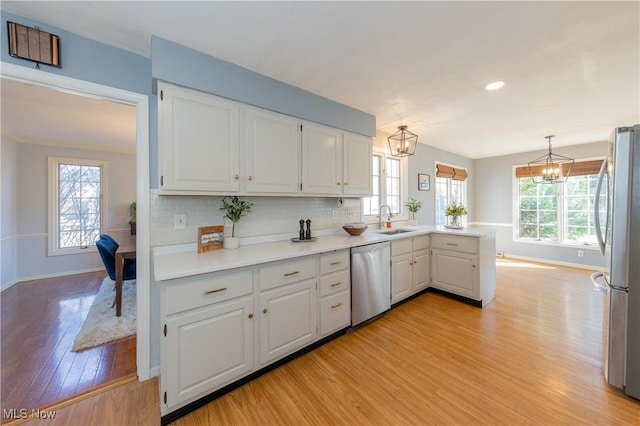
532,356
39,322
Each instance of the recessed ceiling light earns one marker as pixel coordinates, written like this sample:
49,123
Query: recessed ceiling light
495,85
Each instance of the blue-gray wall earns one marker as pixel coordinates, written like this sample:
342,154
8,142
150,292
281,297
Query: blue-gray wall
424,162
495,200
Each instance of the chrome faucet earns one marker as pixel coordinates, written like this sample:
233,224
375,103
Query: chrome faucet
380,214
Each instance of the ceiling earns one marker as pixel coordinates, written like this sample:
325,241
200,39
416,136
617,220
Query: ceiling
572,69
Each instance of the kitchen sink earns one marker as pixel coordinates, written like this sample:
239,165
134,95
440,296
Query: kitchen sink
394,232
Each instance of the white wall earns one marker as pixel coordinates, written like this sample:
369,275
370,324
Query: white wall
8,219
495,205
30,208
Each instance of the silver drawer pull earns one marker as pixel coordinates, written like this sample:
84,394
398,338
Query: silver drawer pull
288,274
218,290
336,262
451,244
336,284
337,305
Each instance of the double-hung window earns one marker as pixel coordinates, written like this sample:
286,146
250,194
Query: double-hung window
451,188
76,204
559,213
389,177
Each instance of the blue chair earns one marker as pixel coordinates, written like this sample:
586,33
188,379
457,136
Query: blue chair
107,247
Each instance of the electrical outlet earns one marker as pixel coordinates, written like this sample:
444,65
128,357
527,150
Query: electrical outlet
334,214
180,221
580,253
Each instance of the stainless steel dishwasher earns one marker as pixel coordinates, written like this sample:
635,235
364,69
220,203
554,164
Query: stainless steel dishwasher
370,281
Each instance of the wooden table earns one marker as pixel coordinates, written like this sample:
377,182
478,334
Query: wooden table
121,254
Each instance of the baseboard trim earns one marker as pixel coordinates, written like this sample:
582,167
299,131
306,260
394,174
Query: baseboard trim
556,262
59,274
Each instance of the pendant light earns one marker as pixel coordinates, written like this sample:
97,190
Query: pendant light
551,168
402,143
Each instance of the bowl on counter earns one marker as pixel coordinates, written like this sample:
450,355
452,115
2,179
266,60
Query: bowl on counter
354,231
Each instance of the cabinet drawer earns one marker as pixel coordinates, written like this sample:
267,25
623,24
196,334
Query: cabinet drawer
455,242
336,261
401,246
288,272
335,312
335,282
201,290
421,242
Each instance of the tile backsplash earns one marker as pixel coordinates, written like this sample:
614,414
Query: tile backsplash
269,216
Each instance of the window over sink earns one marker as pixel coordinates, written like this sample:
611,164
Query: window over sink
389,187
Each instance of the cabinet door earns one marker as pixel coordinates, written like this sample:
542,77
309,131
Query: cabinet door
287,319
197,141
420,270
401,281
208,348
455,272
272,152
335,312
321,160
357,165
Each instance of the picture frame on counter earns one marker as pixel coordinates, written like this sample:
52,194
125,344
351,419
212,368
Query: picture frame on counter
210,238
423,182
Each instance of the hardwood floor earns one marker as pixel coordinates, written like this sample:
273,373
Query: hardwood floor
39,322
532,356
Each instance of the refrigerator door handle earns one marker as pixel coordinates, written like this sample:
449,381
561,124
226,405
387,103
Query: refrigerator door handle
596,208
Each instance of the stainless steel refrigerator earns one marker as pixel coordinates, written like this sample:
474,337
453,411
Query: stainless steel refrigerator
617,217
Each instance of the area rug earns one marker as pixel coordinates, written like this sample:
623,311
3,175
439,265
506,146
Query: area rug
101,324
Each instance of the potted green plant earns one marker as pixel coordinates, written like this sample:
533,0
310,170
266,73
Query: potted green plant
454,211
234,209
413,205
132,217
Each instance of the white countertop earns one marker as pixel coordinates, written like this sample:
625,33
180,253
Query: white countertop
182,264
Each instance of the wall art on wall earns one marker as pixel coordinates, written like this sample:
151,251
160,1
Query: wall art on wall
423,182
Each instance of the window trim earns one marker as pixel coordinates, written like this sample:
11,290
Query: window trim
464,221
53,211
404,188
561,242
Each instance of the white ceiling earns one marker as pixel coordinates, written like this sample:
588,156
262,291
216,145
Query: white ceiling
572,68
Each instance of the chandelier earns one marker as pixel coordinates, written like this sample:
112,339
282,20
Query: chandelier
402,143
551,168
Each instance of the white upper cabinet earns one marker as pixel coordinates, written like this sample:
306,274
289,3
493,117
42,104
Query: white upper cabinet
272,152
198,142
214,146
321,160
357,165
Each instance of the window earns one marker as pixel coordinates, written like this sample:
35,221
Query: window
451,188
388,186
561,213
76,190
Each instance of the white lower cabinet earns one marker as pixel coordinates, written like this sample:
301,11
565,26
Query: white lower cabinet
409,266
465,266
335,291
207,348
287,319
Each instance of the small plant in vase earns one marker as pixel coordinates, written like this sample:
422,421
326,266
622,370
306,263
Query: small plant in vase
234,209
454,211
413,205
132,217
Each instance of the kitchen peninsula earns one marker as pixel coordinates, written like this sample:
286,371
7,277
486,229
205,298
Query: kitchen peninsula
262,304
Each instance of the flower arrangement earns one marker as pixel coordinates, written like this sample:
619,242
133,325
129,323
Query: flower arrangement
234,209
413,205
455,211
